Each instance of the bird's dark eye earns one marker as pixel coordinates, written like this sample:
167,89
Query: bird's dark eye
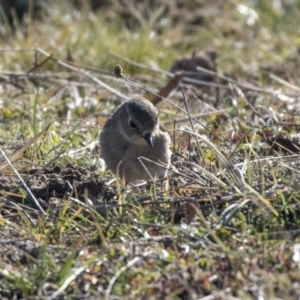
132,124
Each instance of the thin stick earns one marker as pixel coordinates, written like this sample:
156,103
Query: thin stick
68,66
23,182
119,272
222,112
191,122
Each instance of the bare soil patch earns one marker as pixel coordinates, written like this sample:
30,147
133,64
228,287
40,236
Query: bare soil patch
58,182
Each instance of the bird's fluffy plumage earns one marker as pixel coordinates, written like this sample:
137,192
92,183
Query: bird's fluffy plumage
123,141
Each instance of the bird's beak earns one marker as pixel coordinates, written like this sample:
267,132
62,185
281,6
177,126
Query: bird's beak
149,139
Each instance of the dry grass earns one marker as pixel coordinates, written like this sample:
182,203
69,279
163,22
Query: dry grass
224,225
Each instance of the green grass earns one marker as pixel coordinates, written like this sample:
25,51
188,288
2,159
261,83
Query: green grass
226,221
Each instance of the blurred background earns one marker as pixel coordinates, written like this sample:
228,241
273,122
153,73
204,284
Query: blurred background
245,36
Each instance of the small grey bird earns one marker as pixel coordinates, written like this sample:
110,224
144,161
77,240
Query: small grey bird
133,132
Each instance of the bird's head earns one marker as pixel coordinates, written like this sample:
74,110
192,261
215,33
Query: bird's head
140,121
